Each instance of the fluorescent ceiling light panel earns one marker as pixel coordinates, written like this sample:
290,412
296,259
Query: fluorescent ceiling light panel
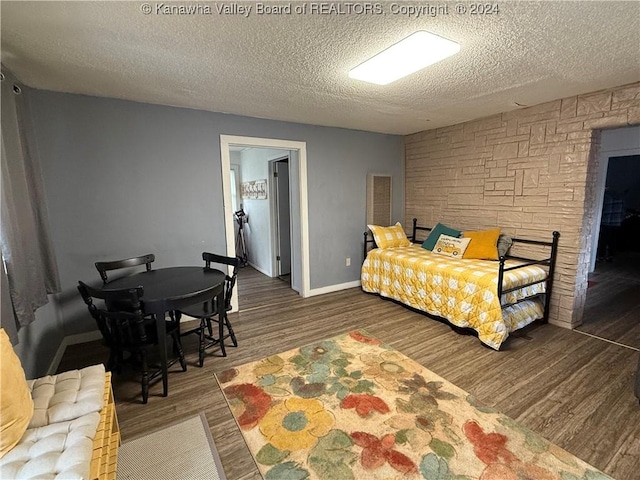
415,52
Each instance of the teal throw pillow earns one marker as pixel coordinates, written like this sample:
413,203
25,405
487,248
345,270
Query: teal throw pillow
438,230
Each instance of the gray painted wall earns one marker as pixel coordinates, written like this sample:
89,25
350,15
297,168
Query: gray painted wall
125,178
38,342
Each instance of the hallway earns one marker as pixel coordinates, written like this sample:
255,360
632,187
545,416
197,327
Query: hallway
612,310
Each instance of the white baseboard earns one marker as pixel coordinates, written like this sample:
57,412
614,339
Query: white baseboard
71,340
333,288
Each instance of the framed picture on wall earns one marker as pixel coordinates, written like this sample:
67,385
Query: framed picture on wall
254,190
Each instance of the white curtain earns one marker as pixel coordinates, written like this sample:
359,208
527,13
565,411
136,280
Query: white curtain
27,250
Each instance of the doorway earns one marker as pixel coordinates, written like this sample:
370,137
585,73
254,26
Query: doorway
613,294
281,217
299,221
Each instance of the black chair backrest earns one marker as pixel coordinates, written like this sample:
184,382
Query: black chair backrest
119,328
230,282
104,267
183,301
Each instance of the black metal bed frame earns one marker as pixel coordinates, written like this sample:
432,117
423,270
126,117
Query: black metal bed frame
549,262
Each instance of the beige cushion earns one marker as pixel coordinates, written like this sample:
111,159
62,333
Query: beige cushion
60,451
16,405
66,396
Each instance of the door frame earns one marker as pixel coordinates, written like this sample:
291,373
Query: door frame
301,147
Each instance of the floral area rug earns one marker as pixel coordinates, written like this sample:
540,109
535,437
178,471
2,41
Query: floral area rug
352,407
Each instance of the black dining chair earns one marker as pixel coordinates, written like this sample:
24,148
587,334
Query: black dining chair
208,311
104,267
131,331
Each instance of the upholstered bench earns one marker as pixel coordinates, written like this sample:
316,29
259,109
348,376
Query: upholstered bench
72,430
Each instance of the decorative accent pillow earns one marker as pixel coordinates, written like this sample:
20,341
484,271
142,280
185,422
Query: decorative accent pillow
504,244
16,404
439,229
484,244
451,246
387,237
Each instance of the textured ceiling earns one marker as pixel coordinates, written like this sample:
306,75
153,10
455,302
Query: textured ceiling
294,67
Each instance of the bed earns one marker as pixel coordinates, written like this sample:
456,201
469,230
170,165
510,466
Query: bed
492,298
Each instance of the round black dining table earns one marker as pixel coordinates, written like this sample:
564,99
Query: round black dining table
165,285
171,282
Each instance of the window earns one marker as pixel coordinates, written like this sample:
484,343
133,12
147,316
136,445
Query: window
235,188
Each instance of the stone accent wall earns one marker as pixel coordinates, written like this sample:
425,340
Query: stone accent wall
528,171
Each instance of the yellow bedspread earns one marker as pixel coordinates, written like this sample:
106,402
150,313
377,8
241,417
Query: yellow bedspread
462,291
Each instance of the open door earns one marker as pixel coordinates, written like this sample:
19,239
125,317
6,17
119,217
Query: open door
283,216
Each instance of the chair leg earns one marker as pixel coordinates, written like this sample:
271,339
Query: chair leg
116,359
209,329
112,363
119,361
177,346
201,345
145,378
221,333
230,328
165,381
175,316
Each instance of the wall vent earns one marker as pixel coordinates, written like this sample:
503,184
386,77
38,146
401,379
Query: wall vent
379,199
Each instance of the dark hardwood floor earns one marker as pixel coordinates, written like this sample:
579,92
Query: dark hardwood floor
612,309
575,390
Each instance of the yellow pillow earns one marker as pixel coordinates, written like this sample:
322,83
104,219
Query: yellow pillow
387,237
16,404
484,244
